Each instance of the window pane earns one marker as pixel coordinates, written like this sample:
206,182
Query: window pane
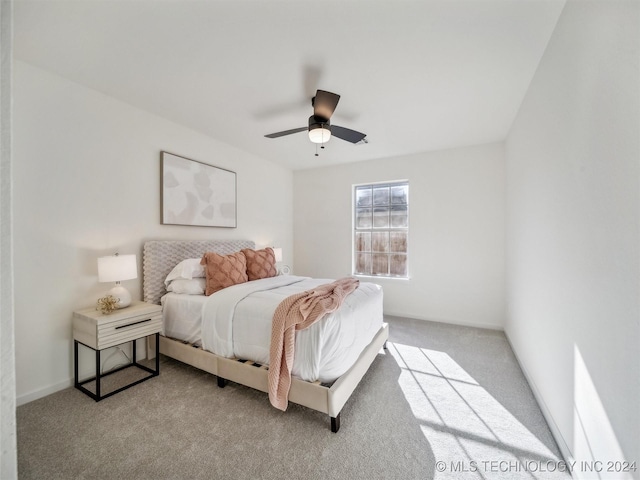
398,265
380,264
399,217
363,218
400,195
381,217
363,197
363,241
380,242
363,263
381,196
398,242
381,229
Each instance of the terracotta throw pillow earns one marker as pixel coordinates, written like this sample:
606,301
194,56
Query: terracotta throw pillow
260,263
222,271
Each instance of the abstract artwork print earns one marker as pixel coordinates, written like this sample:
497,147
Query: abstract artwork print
196,193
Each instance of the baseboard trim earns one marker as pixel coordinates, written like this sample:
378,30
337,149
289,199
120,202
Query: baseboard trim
43,392
487,326
546,413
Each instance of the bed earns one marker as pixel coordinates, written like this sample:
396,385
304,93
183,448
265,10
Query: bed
323,383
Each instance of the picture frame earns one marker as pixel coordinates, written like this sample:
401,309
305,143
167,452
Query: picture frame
194,193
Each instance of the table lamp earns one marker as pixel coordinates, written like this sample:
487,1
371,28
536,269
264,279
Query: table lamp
284,269
116,268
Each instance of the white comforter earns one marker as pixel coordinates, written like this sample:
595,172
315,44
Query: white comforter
238,324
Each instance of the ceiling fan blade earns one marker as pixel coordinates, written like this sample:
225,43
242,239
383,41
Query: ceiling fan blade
287,132
324,104
347,134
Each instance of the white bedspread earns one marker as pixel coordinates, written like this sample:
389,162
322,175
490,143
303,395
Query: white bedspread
182,317
238,324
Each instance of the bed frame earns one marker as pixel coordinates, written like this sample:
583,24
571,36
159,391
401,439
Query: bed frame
160,256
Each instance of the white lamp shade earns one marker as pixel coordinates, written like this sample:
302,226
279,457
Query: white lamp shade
116,268
278,253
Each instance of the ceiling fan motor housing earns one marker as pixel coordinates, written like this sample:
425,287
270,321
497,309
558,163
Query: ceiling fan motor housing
318,122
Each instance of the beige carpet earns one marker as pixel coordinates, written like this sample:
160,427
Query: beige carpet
443,402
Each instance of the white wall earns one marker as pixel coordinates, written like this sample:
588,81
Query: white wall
573,232
456,231
8,456
87,183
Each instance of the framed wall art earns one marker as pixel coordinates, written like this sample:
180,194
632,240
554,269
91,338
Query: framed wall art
196,193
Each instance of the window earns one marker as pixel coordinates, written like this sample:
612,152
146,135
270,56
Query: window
381,229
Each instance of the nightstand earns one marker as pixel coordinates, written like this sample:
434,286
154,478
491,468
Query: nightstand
97,332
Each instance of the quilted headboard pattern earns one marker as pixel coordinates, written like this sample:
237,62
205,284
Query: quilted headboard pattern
160,256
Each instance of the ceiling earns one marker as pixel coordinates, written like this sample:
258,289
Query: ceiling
414,76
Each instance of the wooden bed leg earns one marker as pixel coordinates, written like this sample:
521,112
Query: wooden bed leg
335,423
385,345
222,382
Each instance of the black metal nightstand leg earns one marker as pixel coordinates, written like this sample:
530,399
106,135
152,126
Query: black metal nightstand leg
98,375
157,353
75,363
97,396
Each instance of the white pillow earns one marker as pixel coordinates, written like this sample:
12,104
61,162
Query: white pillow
188,269
194,286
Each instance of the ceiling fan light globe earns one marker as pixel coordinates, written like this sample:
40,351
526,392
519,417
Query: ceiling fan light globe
319,134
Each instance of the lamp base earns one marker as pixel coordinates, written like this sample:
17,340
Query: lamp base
122,294
284,270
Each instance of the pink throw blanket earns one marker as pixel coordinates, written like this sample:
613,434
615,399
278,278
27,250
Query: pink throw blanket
298,312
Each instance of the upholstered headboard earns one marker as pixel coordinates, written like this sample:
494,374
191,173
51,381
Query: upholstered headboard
160,256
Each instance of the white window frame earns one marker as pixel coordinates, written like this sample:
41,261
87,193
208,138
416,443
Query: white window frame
354,230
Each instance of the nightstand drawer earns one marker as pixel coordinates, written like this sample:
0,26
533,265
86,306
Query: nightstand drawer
100,331
128,329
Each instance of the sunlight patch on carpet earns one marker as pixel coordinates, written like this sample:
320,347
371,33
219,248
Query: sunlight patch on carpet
472,435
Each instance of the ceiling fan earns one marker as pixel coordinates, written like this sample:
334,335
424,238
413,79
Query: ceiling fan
320,128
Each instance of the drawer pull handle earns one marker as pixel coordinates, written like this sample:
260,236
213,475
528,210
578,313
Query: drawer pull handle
132,324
